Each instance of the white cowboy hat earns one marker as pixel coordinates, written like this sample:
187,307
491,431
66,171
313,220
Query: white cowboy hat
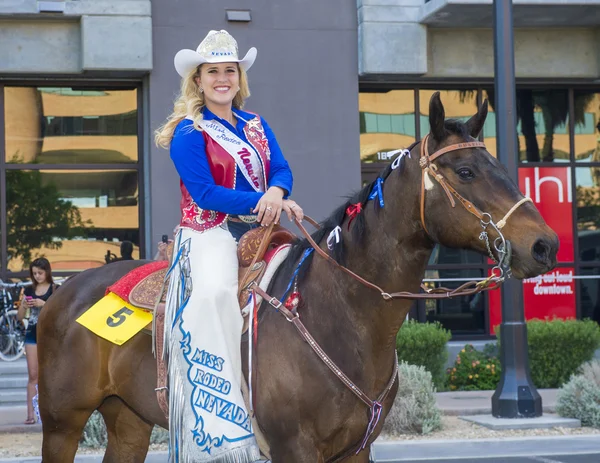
217,47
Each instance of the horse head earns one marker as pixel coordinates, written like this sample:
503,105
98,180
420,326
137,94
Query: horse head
464,191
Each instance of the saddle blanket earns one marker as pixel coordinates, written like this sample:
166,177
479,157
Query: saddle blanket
127,307
114,317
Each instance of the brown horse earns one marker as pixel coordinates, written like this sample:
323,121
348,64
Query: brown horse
305,412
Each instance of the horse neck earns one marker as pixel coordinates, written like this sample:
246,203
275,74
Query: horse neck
393,255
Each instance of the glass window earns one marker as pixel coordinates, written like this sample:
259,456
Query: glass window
589,291
542,125
74,218
458,104
588,212
587,126
461,315
444,255
59,125
387,122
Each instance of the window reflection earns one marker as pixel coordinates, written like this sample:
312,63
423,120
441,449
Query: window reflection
73,218
458,104
460,314
444,255
65,126
588,212
589,291
387,122
542,124
587,126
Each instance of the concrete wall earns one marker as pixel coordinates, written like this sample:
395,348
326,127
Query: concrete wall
304,83
539,53
395,42
82,35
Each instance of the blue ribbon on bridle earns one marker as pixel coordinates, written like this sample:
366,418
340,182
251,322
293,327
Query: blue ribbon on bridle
307,252
377,191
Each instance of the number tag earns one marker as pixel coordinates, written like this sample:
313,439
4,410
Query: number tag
114,319
118,317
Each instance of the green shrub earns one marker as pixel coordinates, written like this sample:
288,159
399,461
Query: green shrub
474,370
94,433
424,344
415,410
558,347
591,370
95,436
580,397
159,436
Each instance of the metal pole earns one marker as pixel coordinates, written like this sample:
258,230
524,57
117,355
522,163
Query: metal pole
516,395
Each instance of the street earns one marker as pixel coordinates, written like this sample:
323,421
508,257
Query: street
549,449
583,458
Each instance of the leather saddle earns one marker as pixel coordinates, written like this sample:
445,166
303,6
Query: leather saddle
149,292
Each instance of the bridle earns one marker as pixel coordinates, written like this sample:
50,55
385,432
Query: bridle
501,244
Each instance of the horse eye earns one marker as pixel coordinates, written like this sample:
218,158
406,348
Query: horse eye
465,173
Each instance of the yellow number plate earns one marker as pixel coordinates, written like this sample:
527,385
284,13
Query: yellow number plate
114,319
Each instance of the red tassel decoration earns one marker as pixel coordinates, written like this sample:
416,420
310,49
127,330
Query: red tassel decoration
294,299
352,211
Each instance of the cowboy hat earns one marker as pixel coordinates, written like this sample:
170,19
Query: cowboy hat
217,47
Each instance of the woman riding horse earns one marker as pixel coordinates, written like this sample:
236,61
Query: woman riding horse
231,169
307,414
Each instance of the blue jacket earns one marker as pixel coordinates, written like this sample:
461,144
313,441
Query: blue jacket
189,156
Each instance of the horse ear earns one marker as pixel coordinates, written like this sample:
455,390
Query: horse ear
436,117
475,124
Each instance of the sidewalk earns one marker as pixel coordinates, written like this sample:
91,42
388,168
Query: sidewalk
12,418
450,403
480,402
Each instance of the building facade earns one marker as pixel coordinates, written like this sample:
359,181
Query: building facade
84,83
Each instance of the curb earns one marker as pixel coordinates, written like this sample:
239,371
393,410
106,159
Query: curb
20,428
458,449
550,409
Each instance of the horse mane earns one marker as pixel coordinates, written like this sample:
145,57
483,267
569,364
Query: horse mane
454,126
457,127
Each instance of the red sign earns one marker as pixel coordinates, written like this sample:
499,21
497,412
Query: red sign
553,294
550,295
551,192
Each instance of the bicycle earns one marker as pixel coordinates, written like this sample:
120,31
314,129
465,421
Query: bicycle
12,331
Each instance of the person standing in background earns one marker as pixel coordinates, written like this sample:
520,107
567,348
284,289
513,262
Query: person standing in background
33,299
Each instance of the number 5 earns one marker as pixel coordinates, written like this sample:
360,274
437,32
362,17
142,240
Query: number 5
118,317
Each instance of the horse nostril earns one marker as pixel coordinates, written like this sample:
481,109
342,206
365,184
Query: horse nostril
541,251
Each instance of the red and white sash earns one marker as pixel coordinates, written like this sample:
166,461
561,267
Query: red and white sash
244,154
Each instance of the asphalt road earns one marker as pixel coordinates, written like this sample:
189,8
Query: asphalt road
584,458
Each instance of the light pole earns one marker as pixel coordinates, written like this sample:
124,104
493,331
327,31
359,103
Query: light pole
516,395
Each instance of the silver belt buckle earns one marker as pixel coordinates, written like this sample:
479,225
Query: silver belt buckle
247,218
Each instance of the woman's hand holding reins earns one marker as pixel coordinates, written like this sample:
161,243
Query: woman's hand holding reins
269,207
292,210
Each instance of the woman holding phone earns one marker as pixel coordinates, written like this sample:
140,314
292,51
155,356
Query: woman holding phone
32,301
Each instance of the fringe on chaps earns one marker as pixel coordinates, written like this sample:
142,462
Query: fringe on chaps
208,420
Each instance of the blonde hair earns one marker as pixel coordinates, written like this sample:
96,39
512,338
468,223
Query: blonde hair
190,101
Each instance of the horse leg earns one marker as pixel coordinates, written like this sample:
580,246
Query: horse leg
62,432
70,389
128,433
